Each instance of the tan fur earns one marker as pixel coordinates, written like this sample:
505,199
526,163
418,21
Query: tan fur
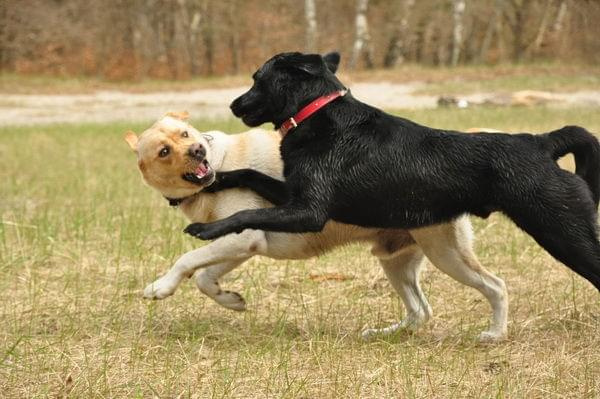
400,251
181,115
131,139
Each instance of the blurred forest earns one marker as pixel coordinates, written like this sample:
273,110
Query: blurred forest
178,39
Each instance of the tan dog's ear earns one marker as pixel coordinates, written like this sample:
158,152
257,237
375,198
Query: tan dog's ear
131,139
181,115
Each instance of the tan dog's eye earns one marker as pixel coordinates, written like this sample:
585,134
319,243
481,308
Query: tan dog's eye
164,152
185,134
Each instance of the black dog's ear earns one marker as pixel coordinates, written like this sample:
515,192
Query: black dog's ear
310,63
332,60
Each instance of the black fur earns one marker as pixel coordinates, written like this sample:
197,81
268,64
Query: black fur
273,190
356,164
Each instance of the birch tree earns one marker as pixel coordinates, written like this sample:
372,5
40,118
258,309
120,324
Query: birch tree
493,27
310,14
535,46
397,45
458,12
234,37
362,40
208,39
560,17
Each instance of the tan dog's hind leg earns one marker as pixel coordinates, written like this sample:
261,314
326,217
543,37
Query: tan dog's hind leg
232,249
207,281
449,248
403,272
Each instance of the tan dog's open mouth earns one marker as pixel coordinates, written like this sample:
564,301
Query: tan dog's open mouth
203,175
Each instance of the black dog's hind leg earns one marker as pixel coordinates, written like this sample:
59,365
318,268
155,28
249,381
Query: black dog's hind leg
575,248
271,189
289,218
564,225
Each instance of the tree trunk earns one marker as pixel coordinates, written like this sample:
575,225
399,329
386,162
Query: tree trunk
362,40
395,53
489,32
458,12
188,25
208,36
310,14
535,46
234,37
3,41
560,17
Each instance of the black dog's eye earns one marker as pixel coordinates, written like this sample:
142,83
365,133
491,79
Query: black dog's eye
164,152
185,134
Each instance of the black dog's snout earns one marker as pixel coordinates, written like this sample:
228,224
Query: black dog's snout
235,106
197,151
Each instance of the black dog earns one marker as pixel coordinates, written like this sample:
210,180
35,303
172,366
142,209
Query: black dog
355,164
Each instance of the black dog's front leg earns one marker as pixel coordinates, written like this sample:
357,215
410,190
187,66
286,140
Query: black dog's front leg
287,218
273,190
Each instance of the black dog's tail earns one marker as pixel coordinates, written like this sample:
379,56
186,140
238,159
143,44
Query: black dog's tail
586,149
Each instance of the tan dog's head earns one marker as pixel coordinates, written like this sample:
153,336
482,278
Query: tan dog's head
173,157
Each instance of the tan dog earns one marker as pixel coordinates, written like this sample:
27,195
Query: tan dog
178,161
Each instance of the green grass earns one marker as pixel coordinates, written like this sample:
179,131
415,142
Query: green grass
80,236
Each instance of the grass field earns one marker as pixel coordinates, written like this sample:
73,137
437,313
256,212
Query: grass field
439,80
80,236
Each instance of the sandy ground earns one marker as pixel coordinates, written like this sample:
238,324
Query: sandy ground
105,106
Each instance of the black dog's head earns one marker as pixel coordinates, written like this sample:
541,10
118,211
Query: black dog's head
284,84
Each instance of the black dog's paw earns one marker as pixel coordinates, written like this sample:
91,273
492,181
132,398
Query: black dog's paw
195,230
203,231
217,185
213,188
224,181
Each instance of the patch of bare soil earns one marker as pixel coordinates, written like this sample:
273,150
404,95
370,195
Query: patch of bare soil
109,106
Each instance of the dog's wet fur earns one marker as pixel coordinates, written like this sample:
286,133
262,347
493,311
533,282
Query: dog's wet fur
356,164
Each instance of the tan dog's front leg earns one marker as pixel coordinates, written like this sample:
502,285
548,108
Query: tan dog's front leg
229,249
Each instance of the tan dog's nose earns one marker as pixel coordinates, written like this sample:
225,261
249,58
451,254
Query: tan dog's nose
197,151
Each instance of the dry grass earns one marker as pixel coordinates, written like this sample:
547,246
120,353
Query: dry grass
81,236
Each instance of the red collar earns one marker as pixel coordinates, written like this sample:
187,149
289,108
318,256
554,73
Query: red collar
307,111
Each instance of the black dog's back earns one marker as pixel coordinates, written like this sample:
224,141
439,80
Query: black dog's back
391,172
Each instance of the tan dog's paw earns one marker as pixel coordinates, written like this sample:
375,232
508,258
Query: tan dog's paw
209,286
231,300
160,289
410,324
490,336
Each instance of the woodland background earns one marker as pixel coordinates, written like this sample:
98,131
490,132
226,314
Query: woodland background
179,39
